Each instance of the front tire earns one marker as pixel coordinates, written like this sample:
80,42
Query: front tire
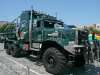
54,61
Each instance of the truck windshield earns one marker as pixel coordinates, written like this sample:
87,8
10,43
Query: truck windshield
49,24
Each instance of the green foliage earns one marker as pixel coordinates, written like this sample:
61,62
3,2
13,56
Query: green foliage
2,28
97,31
91,29
7,28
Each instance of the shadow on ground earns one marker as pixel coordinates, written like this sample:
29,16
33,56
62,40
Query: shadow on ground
34,59
86,70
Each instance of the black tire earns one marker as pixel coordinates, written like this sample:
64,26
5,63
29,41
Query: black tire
8,49
54,61
15,52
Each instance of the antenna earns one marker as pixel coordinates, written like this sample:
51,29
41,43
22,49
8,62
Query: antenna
56,15
31,7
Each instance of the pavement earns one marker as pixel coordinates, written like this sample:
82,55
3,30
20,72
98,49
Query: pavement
20,66
29,66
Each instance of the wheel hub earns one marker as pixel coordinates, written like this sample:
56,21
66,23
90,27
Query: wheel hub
51,61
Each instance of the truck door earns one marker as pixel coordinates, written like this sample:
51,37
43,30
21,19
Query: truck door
36,34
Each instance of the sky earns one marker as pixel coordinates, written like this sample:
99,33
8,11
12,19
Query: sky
69,11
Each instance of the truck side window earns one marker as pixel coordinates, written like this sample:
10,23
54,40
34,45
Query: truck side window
23,24
34,23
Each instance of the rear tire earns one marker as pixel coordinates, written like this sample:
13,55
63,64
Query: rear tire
54,61
8,51
8,48
15,52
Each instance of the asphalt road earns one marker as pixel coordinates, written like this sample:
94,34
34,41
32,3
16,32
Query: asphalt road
19,66
29,66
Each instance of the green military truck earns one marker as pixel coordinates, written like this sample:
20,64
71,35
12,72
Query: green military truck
45,36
